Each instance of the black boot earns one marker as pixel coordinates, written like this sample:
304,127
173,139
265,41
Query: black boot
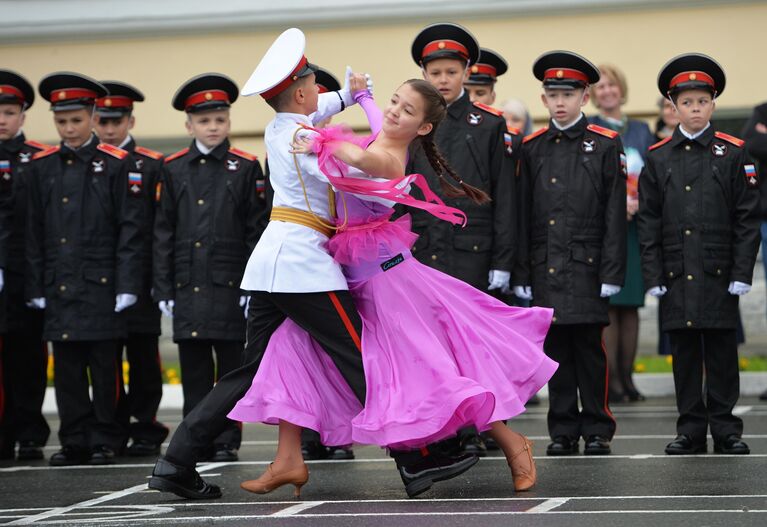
182,481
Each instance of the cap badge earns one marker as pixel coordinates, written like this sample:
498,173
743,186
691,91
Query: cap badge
441,45
62,95
474,69
693,76
208,96
1,90
560,74
108,102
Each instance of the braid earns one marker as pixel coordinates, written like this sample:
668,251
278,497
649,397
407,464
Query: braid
442,167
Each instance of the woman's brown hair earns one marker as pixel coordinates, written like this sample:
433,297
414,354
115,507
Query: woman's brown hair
435,109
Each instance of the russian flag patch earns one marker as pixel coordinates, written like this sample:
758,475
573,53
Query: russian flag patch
134,183
751,178
507,143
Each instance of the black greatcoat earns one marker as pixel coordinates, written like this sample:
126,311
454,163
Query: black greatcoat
83,243
13,222
572,228
476,143
698,227
208,221
144,317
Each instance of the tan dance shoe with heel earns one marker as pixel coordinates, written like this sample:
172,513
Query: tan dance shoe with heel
524,480
271,480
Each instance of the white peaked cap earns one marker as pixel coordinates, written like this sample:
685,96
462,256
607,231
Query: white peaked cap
284,59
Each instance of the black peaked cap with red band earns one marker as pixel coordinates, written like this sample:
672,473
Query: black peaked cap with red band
444,41
488,68
15,89
120,100
691,71
565,70
209,91
66,90
326,81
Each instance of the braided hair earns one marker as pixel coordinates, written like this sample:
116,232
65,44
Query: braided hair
435,110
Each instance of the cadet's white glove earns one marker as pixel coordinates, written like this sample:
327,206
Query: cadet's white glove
609,290
369,80
738,288
36,303
498,280
124,300
525,292
244,303
2,281
166,306
657,291
346,92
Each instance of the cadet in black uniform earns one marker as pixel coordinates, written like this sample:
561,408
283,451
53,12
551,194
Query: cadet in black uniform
476,143
114,120
208,221
699,234
24,353
83,249
483,75
572,247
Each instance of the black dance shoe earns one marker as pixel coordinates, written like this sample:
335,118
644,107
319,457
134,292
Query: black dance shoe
419,476
184,482
68,456
733,444
562,446
683,445
596,446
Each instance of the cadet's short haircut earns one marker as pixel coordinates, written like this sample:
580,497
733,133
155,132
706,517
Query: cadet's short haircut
282,99
615,75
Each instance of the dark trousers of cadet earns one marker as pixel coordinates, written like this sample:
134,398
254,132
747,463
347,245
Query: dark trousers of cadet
86,423
329,317
578,348
144,393
199,374
715,352
25,377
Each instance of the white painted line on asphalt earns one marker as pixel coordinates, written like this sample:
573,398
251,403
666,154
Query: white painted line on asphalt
58,511
740,410
295,509
548,505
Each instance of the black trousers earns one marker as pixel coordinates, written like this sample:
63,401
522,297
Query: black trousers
715,352
86,423
199,374
579,350
329,317
137,408
24,378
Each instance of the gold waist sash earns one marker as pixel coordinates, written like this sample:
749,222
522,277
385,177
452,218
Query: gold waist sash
301,217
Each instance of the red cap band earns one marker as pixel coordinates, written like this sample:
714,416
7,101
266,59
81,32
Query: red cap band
565,74
442,45
286,82
206,96
69,94
484,69
7,88
114,101
687,76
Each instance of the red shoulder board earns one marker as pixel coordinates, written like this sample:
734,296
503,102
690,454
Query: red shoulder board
513,131
176,155
489,109
535,134
46,153
730,139
612,134
113,151
39,146
147,153
659,143
243,154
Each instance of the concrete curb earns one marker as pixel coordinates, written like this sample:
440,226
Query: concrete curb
650,384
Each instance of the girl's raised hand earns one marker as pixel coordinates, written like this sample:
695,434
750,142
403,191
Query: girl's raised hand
301,145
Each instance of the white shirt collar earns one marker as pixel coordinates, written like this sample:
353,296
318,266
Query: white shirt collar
125,142
86,143
204,150
569,125
463,90
694,136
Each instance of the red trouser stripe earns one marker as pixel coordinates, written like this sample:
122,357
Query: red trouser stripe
347,322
